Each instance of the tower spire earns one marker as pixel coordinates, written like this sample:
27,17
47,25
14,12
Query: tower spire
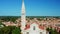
23,19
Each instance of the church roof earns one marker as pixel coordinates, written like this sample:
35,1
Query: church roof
39,26
27,26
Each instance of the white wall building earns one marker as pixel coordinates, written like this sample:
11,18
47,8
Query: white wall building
34,28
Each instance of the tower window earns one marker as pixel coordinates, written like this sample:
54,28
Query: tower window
23,13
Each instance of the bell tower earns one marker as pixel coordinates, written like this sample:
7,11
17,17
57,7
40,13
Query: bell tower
23,19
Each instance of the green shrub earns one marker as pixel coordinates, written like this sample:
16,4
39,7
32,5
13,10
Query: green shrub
10,30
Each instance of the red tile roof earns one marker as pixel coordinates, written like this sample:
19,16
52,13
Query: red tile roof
27,27
41,27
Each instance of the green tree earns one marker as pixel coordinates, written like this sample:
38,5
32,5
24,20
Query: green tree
16,31
10,30
52,31
1,24
47,29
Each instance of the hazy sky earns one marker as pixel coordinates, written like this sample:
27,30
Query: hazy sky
33,7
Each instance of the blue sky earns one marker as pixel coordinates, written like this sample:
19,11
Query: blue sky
33,7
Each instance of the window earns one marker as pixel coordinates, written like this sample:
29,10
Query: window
27,32
34,28
40,32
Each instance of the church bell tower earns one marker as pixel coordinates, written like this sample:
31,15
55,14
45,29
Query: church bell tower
23,17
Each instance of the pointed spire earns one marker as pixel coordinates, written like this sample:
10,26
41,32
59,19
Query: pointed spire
23,16
23,0
23,6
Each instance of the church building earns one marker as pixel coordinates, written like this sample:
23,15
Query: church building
30,28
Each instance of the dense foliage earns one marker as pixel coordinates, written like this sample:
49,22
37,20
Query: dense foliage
10,30
52,31
1,25
9,18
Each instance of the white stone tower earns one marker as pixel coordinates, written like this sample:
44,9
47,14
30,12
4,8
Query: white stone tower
23,19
